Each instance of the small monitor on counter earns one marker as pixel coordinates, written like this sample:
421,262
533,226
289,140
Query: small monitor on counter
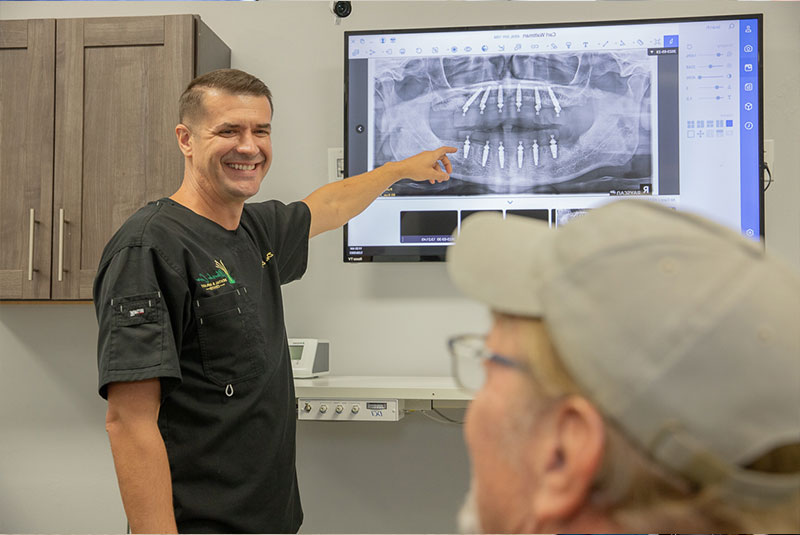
310,357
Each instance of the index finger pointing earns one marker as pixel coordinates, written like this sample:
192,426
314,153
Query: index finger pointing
447,165
441,155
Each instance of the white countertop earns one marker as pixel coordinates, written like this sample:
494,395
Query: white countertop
358,386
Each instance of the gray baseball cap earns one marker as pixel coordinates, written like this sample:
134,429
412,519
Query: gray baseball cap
682,331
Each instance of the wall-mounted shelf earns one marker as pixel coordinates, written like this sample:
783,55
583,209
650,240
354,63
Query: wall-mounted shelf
417,392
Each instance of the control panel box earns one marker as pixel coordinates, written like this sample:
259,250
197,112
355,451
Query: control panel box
350,410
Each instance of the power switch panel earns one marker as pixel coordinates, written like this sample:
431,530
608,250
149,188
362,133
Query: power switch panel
350,410
335,164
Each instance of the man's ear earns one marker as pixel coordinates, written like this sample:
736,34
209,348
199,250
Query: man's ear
184,136
570,442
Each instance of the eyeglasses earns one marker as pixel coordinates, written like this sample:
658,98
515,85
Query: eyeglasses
468,353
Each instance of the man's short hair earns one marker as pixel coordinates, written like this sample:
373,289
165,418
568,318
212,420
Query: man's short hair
232,81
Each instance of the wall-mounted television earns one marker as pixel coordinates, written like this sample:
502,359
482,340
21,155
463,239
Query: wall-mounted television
552,120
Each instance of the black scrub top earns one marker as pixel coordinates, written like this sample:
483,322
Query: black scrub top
180,298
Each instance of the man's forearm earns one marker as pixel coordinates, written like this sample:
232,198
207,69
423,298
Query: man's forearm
340,201
140,459
334,204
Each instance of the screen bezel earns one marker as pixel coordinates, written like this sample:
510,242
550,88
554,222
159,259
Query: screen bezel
437,253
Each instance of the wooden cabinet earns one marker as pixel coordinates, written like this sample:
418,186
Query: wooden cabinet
88,109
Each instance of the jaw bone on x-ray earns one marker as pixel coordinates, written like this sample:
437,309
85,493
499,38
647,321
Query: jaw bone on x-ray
574,122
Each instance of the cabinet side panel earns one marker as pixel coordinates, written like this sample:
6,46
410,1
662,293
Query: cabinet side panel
212,52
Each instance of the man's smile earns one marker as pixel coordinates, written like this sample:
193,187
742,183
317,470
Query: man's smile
242,166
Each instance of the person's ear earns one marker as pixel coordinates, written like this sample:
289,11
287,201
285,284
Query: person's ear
570,450
184,136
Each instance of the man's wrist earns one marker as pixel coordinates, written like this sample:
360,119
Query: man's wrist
394,171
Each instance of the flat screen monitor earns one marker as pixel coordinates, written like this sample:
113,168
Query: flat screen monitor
552,120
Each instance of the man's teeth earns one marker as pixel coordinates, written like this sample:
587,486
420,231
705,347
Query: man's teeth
242,167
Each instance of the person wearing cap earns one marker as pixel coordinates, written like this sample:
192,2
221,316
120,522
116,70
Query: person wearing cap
641,374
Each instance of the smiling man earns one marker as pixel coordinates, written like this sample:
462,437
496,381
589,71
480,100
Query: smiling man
192,351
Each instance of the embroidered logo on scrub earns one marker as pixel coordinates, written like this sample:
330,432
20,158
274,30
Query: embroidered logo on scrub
266,259
216,280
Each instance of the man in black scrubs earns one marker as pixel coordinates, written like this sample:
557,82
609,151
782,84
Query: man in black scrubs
192,352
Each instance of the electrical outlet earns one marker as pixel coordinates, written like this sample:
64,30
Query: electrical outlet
769,155
335,164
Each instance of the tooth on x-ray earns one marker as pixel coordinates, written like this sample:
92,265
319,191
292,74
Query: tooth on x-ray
466,148
485,153
538,99
469,102
535,153
553,146
500,98
556,105
520,152
485,98
519,97
501,154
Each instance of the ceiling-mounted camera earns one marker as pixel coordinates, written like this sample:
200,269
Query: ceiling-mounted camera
341,9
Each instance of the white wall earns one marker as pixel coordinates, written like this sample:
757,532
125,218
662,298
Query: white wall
56,473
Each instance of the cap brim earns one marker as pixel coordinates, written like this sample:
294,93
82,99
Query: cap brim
502,262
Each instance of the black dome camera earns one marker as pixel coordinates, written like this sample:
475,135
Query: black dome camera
342,9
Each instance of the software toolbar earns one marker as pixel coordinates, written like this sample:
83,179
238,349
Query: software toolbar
513,41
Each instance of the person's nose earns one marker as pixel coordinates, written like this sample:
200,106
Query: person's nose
247,144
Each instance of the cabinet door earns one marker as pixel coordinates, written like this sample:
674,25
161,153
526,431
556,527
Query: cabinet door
118,81
26,157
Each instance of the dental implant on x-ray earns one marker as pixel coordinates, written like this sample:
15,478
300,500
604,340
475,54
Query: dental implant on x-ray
500,98
553,146
485,157
535,148
466,148
554,100
470,100
520,155
519,97
501,156
485,98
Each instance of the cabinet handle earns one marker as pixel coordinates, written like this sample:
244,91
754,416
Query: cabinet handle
32,222
61,222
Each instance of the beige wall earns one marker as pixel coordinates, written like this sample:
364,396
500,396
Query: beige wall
56,473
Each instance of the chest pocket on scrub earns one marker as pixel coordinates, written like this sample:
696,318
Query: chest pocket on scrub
230,344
